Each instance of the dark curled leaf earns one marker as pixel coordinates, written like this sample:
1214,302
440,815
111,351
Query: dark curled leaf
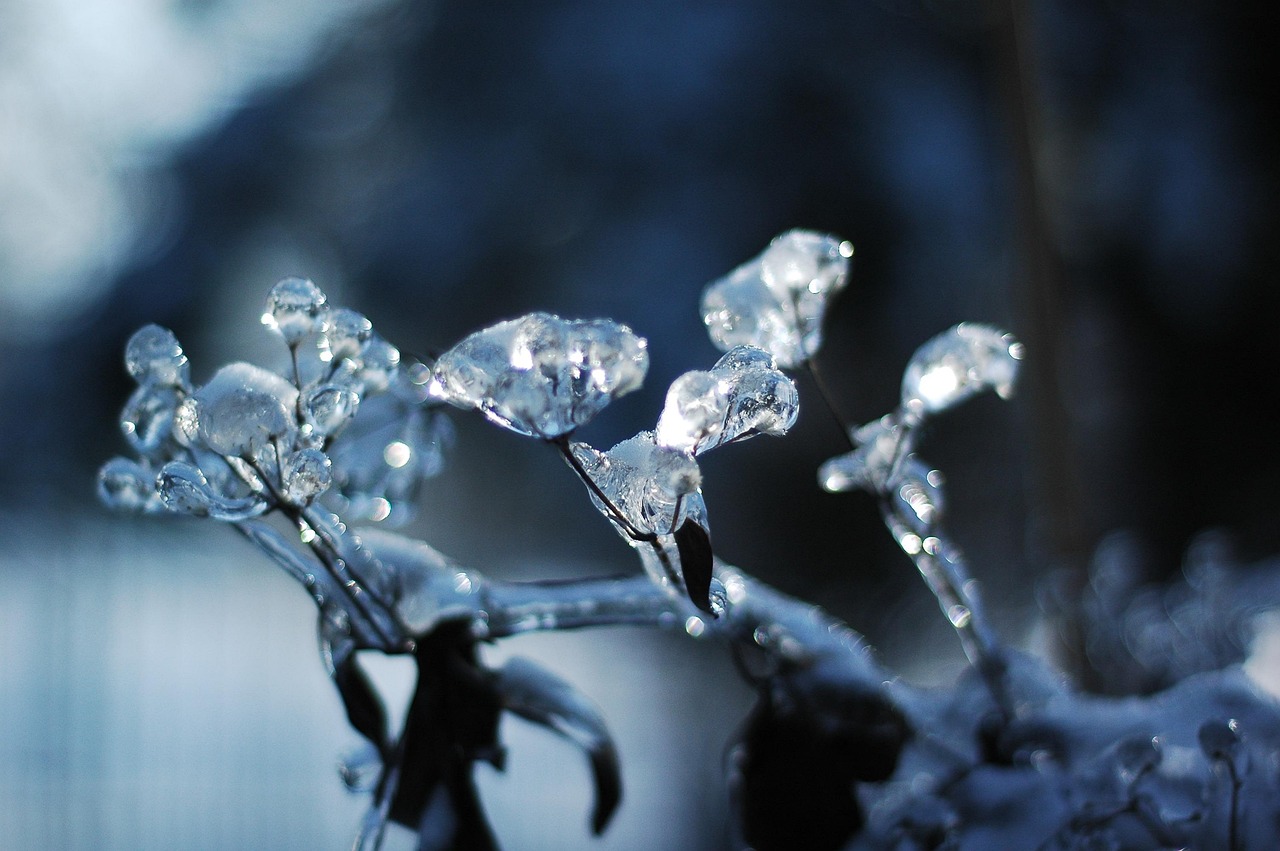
809,742
364,708
694,546
540,696
452,723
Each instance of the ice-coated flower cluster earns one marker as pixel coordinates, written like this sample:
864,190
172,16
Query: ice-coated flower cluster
249,440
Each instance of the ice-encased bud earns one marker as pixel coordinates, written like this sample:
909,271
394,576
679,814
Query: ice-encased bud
243,407
126,485
307,474
960,362
777,300
645,482
329,407
762,400
541,375
694,411
343,332
154,356
147,419
185,490
742,395
872,465
293,307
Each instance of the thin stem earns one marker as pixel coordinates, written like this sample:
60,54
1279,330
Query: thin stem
562,444
828,402
943,570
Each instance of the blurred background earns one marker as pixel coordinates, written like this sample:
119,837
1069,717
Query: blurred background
1097,176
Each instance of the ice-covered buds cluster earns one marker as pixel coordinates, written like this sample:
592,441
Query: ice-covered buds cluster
540,375
952,367
777,301
250,439
650,485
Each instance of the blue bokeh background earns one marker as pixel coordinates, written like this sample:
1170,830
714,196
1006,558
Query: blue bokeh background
443,165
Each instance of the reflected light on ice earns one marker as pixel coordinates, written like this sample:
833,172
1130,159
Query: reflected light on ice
91,93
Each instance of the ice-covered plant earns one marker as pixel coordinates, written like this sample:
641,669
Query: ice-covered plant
837,751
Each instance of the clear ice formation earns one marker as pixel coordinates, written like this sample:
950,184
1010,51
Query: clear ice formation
250,439
777,300
948,369
540,375
652,487
743,395
961,362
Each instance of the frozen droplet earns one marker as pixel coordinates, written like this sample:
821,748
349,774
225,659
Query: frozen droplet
918,496
329,407
958,363
126,485
147,419
185,490
541,375
243,408
343,333
378,363
153,356
307,474
762,400
880,445
697,403
777,300
293,307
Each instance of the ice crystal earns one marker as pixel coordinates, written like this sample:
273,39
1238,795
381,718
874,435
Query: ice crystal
742,395
777,301
243,409
541,375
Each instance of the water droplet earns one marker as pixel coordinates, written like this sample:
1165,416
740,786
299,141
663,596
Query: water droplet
293,308
153,356
694,626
